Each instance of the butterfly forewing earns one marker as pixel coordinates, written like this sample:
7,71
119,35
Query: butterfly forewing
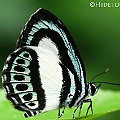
45,70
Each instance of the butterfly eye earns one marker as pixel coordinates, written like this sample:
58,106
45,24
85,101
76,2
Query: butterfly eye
92,89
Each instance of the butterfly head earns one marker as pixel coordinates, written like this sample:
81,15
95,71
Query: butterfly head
92,88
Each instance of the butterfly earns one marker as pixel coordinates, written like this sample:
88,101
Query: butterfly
46,72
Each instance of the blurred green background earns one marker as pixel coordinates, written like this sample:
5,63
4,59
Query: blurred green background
96,32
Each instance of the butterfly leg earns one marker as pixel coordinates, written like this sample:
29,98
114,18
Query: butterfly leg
73,115
80,109
76,110
89,107
60,114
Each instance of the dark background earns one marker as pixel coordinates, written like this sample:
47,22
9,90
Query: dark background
96,32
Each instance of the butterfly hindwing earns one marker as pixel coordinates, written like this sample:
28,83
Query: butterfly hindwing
22,81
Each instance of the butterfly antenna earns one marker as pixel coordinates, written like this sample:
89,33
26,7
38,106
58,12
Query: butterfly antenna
99,74
107,83
103,82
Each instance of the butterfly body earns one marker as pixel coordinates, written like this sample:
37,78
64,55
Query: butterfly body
45,72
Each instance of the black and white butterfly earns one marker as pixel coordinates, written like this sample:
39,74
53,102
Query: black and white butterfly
45,71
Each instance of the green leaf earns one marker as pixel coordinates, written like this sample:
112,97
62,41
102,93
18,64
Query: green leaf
104,102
